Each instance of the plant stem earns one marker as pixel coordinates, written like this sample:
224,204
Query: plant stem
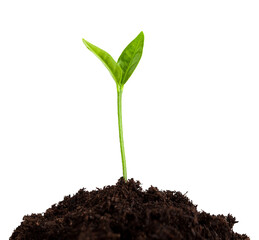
123,158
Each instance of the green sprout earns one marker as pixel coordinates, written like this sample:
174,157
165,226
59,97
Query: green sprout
121,72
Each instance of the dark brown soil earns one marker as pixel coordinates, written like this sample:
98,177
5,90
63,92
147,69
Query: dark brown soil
125,211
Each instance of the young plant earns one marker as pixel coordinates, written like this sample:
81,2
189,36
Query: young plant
121,72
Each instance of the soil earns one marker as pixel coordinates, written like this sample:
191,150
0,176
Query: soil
125,211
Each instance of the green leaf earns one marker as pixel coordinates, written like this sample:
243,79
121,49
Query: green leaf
107,60
130,57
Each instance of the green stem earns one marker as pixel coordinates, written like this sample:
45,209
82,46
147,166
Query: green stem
119,96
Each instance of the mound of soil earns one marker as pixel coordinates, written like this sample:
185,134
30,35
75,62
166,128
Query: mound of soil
125,211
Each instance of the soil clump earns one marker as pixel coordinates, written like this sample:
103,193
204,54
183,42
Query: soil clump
126,212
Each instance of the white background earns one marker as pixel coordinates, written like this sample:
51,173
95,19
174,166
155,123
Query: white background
190,110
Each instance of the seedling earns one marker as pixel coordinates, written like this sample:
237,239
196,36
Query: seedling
121,72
